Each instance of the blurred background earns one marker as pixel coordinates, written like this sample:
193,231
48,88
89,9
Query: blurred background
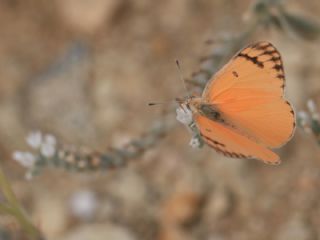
84,71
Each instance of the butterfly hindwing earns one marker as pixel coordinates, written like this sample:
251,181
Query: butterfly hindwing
271,123
231,144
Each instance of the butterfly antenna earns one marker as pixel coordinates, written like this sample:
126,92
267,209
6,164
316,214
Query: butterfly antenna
155,103
182,78
159,103
176,100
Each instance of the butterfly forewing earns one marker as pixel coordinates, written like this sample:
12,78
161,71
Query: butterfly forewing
257,69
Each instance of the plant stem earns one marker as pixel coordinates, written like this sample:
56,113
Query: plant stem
13,208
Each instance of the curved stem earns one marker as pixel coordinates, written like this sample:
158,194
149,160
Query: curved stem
13,208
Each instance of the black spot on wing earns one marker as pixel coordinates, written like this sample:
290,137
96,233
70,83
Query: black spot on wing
275,58
261,45
254,60
212,141
278,67
231,154
270,52
219,147
235,74
265,48
272,163
293,114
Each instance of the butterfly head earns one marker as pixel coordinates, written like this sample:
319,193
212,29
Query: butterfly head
190,102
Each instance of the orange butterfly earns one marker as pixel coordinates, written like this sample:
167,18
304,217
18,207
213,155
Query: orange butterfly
242,111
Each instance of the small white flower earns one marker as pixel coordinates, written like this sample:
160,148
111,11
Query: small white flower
34,139
47,150
48,146
311,106
83,204
184,115
26,159
194,142
303,116
313,109
304,120
50,139
18,156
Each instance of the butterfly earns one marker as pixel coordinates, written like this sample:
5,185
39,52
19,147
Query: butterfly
242,112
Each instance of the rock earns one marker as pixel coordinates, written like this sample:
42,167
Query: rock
87,16
295,229
218,205
181,208
58,97
50,215
129,189
83,204
99,232
173,233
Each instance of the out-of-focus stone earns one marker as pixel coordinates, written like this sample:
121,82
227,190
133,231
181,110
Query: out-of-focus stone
295,229
100,232
173,233
51,216
87,16
218,205
129,189
58,99
181,207
83,204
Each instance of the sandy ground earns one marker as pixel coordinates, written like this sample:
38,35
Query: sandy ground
85,71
